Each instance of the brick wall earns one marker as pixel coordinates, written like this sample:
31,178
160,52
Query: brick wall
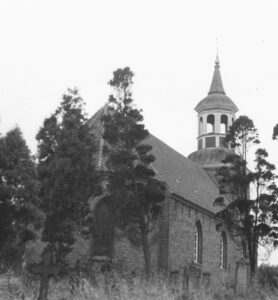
128,257
181,244
172,245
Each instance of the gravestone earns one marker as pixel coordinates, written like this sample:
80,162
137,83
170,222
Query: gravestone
174,281
185,281
5,285
101,265
242,277
191,278
206,280
45,269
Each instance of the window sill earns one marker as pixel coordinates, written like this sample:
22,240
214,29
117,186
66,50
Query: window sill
196,264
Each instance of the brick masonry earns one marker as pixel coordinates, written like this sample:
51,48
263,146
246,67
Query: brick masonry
181,244
173,250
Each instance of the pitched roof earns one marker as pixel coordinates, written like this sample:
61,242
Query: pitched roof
183,177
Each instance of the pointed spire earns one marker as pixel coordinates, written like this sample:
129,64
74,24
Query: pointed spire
216,86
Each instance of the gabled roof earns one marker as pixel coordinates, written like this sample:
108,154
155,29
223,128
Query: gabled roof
184,178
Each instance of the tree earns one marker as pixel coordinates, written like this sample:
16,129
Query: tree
18,197
137,195
275,132
66,171
251,213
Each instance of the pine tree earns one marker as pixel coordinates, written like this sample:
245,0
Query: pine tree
66,171
136,194
275,132
253,212
18,197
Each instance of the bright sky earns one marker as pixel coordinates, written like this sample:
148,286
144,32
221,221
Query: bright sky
48,46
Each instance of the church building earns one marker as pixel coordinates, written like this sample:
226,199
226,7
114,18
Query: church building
187,241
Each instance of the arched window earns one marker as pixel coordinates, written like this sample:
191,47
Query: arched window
102,230
223,251
200,126
223,124
210,123
198,240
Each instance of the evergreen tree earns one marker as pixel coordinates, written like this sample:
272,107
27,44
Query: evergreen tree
66,171
18,197
136,194
275,132
252,213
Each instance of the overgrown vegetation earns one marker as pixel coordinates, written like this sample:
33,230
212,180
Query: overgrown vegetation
66,172
252,214
120,288
137,195
19,215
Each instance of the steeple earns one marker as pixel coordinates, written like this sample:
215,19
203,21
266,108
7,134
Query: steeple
216,86
216,113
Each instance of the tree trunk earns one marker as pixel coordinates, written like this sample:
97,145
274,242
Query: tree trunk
146,251
254,259
251,254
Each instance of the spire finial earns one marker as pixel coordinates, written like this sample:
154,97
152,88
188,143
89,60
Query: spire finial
217,56
216,86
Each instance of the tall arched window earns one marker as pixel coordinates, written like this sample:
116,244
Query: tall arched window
102,230
223,124
200,126
223,251
198,240
210,123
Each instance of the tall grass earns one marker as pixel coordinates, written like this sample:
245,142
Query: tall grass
115,287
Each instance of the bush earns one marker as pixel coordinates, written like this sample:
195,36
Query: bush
267,277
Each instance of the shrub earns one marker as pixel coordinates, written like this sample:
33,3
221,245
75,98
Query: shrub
267,276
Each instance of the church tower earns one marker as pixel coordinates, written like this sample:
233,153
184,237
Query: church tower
216,113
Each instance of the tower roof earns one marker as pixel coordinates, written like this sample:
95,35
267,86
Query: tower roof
210,157
216,86
216,98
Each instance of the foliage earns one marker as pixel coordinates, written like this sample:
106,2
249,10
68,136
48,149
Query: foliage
118,288
79,252
267,276
241,135
66,171
18,197
33,251
250,214
137,195
275,132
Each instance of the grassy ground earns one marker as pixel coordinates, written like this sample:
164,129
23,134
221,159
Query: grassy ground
116,288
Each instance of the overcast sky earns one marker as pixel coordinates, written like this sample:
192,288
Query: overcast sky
48,46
